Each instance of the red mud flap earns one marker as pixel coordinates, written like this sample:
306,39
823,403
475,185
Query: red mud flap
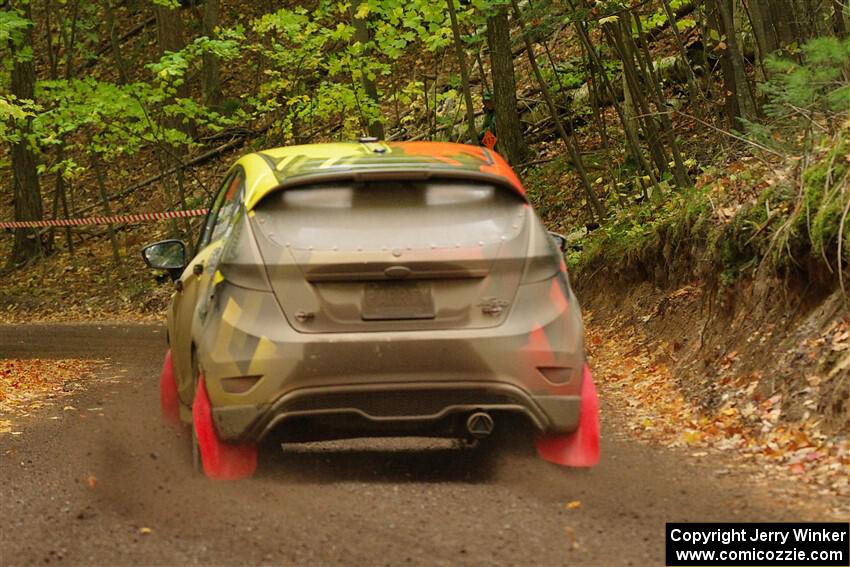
221,460
580,448
168,400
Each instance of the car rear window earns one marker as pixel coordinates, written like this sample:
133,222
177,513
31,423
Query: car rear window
391,214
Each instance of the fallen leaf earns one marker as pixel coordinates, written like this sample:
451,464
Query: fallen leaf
692,437
574,504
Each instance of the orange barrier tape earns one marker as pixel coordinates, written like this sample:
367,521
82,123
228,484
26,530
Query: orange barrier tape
137,218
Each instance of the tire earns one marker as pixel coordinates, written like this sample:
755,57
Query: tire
580,448
219,459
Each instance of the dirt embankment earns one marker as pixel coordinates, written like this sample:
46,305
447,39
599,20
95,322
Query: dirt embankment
773,337
761,370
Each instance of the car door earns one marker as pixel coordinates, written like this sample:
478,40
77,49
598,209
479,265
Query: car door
196,279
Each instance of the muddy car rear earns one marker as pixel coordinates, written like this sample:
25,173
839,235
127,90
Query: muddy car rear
402,289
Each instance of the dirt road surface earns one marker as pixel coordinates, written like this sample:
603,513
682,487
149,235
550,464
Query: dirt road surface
119,488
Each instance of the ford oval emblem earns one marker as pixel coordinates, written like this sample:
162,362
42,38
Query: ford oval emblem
397,272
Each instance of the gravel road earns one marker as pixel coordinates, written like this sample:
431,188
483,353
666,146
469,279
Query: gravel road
375,502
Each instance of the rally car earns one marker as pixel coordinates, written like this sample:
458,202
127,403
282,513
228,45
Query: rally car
372,289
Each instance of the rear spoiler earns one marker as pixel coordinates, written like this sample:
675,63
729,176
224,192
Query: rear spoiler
389,174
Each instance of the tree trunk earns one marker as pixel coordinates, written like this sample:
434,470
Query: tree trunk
779,24
464,75
169,27
619,37
632,141
26,189
115,43
839,26
62,41
756,19
629,111
731,106
169,36
211,81
746,103
679,172
508,126
52,47
96,165
70,39
594,203
480,62
811,20
693,89
61,197
361,35
596,102
763,29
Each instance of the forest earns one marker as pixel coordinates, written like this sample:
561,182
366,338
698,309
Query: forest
695,154
644,97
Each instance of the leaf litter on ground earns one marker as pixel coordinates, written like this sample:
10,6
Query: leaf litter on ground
28,385
632,376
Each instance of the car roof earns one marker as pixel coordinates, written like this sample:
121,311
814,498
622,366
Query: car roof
292,166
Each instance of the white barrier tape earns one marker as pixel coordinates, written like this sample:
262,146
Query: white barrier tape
137,218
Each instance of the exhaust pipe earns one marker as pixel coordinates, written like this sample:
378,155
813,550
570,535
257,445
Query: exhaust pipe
479,425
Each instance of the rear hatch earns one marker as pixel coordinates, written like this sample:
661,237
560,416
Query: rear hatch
393,255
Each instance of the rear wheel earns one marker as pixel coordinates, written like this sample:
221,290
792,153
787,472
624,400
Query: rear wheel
580,448
218,459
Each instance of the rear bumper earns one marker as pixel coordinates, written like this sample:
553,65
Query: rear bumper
407,407
407,381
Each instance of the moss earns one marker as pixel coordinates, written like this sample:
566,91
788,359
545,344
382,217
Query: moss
825,198
635,236
782,229
826,224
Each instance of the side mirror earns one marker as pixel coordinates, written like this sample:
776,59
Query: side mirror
168,255
560,240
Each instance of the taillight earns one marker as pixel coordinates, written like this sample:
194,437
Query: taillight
544,260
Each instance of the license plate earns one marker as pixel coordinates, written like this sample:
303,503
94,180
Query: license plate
397,300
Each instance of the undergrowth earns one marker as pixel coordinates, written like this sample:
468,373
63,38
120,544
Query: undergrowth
786,215
794,223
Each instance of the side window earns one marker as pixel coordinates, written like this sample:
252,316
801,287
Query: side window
225,204
232,201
